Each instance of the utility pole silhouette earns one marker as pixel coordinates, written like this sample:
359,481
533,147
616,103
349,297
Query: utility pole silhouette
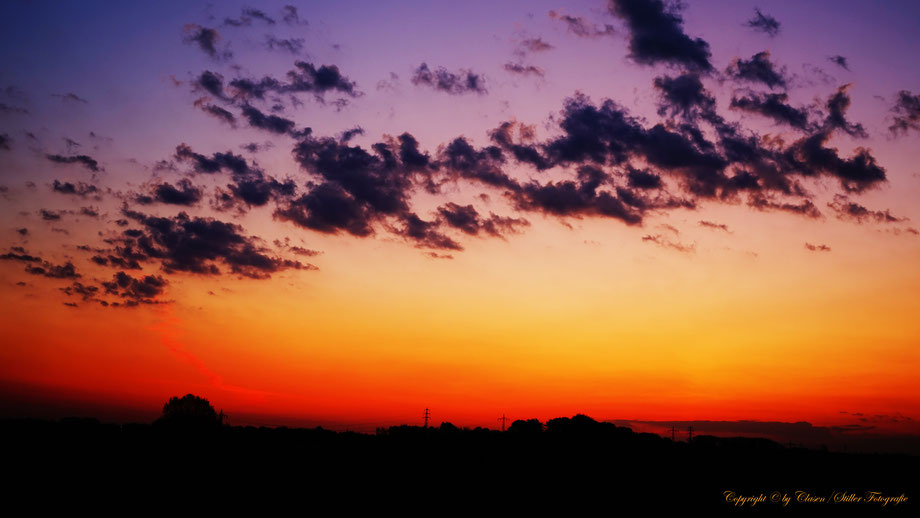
673,432
427,415
690,434
502,419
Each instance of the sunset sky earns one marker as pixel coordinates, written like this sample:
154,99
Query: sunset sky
344,212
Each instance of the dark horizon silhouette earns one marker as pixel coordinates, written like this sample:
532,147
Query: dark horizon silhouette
564,457
20,402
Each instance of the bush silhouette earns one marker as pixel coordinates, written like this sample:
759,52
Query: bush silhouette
189,411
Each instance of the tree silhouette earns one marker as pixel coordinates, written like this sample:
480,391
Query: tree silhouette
448,427
189,411
528,426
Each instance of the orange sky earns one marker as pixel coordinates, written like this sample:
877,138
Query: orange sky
554,323
718,312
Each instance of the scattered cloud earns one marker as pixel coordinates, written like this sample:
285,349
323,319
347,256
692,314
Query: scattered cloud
764,23
454,83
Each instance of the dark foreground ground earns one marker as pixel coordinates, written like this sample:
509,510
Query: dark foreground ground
576,468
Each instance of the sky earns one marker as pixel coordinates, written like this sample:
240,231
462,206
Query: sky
343,213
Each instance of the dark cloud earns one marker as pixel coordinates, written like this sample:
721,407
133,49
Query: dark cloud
290,16
850,210
714,225
129,259
426,234
303,78
580,198
299,250
141,290
206,39
50,215
774,106
349,134
46,269
210,82
291,45
219,113
534,45
86,293
810,157
817,248
250,88
524,153
459,159
255,147
467,219
359,188
581,27
80,189
758,69
683,95
907,113
271,123
840,61
460,217
372,179
455,83
22,231
328,208
656,35
804,208
247,16
203,164
609,135
764,23
257,190
89,211
837,106
412,159
642,179
197,245
84,160
250,187
665,242
624,167
5,141
524,70
183,193
18,253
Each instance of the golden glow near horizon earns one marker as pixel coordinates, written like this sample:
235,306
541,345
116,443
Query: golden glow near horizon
549,322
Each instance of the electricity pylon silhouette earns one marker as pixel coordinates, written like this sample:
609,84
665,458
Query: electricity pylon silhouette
427,415
502,419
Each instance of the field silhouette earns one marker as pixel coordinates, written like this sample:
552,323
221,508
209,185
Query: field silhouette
573,464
